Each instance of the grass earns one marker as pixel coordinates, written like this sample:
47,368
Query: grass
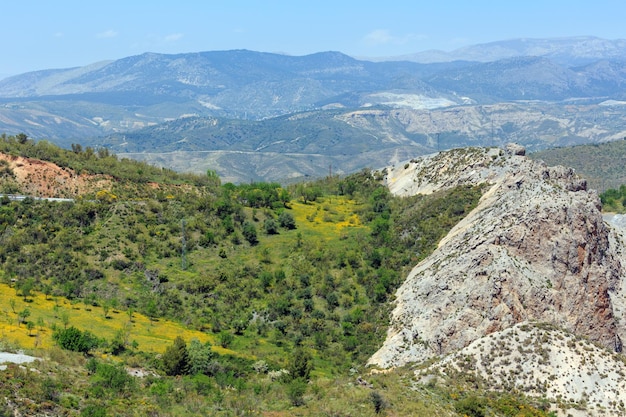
46,313
328,216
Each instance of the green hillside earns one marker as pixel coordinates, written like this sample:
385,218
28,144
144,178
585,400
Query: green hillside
603,165
231,300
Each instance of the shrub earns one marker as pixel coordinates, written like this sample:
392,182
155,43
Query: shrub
94,410
249,233
301,364
75,340
471,406
270,226
295,391
378,402
286,220
225,338
113,377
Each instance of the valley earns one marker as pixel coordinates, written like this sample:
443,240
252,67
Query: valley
255,234
254,277
254,116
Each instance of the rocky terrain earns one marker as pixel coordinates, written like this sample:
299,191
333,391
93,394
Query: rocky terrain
535,250
39,178
575,375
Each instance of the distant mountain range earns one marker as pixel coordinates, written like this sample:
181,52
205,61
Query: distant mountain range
253,115
569,52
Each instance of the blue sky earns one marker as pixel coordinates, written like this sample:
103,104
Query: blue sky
44,34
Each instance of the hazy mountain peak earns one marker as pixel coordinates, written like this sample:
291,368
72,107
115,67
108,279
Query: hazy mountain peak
568,51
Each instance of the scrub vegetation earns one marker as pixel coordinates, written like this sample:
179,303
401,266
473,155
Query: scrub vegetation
170,294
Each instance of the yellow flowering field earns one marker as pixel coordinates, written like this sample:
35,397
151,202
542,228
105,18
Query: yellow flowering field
151,335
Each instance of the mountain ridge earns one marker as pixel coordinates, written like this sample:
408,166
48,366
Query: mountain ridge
98,104
526,293
518,256
574,50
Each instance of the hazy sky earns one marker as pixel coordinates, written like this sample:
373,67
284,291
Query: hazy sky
44,34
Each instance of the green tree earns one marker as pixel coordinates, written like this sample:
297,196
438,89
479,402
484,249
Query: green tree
301,364
65,318
270,226
286,220
47,290
176,358
26,287
30,326
249,233
105,309
225,338
22,316
21,138
214,179
308,192
200,357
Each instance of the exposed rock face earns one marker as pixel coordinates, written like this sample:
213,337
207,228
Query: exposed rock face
535,248
45,179
543,361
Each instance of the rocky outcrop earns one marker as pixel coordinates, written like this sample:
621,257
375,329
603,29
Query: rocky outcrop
535,248
39,178
542,361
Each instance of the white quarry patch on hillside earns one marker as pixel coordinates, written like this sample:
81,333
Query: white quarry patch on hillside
413,101
209,105
540,360
612,103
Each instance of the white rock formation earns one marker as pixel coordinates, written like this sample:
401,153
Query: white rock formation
535,248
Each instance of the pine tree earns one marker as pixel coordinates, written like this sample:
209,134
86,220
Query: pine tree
176,358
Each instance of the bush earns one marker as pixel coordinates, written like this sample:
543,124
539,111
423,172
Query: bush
286,220
113,377
301,364
75,340
471,406
93,410
225,338
249,233
378,402
270,226
295,391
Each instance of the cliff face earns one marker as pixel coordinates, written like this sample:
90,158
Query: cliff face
536,248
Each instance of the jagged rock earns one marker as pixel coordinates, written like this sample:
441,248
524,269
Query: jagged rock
516,149
363,383
535,248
